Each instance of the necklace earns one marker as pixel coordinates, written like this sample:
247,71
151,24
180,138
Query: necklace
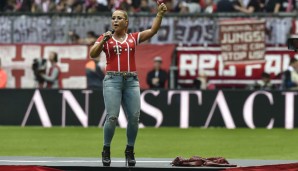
121,38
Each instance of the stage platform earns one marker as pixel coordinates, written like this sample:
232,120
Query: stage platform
143,164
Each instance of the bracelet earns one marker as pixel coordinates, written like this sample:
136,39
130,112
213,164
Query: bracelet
159,15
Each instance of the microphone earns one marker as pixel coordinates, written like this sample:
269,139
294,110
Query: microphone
107,38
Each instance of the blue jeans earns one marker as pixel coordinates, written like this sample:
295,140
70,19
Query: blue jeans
116,90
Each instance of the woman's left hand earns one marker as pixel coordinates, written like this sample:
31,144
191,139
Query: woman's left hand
162,8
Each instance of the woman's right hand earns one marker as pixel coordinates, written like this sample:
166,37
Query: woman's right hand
97,47
107,35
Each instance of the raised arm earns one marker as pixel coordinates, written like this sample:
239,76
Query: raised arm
147,34
276,8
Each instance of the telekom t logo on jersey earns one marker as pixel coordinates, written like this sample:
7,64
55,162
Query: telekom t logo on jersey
117,49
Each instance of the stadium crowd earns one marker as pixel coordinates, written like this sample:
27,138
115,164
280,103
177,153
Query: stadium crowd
147,6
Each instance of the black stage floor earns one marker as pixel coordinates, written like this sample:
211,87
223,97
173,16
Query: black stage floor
144,164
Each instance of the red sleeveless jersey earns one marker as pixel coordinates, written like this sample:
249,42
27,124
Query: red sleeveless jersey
121,55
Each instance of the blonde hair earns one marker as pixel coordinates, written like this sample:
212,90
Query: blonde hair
125,14
126,17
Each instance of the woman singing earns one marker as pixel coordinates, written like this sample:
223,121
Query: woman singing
121,84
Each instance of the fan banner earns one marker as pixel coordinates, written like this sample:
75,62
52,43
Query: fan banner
194,62
17,60
174,29
242,40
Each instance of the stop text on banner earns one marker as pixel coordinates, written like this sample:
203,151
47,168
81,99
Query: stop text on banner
242,40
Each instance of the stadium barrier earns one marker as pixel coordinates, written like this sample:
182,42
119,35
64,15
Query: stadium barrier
176,108
184,64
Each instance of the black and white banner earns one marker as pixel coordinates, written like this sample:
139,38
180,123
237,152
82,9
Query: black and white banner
178,108
184,30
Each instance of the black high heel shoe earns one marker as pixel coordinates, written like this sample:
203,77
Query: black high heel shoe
130,156
106,156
